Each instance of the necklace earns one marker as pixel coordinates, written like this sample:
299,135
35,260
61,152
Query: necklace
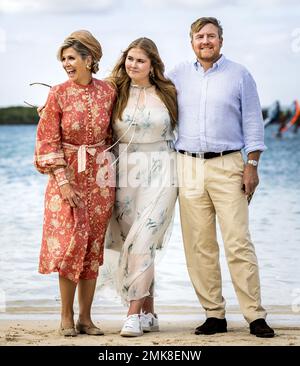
140,86
131,124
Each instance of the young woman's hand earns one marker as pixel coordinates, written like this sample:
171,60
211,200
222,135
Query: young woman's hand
40,110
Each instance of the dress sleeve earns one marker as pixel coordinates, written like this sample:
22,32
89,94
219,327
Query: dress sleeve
49,155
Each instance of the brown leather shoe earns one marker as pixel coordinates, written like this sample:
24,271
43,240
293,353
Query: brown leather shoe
260,328
67,332
212,326
88,329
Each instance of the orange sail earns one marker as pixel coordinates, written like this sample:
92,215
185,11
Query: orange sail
294,118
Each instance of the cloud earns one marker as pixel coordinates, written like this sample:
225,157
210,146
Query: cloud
188,4
217,4
79,6
55,6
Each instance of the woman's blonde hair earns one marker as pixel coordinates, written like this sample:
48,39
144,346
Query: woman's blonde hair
165,89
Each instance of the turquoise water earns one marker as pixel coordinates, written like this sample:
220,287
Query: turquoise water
275,228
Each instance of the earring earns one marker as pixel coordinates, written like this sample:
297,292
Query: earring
88,67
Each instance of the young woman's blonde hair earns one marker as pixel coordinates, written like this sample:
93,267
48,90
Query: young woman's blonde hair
165,89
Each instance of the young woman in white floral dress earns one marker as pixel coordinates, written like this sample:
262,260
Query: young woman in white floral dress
144,120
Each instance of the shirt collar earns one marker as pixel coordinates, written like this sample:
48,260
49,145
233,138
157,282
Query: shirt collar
215,66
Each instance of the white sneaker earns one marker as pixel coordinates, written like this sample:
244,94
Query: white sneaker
132,326
149,322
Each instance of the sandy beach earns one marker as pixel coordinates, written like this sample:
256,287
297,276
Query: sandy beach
176,329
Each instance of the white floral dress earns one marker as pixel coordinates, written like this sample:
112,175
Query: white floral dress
146,190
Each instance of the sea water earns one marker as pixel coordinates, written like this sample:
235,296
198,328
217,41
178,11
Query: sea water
274,225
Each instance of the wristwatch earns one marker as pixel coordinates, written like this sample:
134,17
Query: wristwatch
252,162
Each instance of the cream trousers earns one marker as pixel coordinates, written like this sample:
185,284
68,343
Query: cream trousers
208,189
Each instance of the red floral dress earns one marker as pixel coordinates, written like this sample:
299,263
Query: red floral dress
73,131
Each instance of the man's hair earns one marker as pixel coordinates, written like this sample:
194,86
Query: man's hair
201,22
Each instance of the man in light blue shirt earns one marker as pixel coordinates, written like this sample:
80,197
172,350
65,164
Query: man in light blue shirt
219,114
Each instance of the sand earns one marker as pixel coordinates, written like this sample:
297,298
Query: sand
176,329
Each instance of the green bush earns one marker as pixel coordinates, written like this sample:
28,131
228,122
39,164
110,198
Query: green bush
18,115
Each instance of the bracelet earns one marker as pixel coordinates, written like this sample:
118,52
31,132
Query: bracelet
61,183
60,176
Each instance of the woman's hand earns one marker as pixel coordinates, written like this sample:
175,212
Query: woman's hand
68,194
40,110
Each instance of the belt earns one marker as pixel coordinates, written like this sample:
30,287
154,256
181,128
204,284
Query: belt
81,152
207,155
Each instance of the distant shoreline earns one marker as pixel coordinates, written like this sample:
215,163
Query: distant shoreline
18,115
18,123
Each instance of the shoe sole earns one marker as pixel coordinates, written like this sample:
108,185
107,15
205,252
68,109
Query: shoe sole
210,333
267,335
83,332
61,333
129,334
152,329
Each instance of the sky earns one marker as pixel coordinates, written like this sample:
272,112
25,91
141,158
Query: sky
263,35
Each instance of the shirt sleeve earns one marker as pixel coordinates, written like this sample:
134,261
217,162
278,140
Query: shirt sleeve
252,121
171,74
49,155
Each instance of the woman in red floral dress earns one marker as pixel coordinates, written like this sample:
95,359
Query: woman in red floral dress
73,131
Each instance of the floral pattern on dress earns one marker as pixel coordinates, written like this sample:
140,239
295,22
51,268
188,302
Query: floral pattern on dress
73,238
144,207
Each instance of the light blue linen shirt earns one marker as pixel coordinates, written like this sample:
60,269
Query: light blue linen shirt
218,109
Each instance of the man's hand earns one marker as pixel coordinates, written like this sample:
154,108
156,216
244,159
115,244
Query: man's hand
68,194
250,179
